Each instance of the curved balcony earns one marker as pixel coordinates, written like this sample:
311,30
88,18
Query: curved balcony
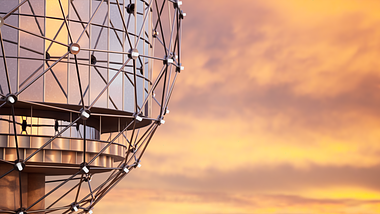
62,155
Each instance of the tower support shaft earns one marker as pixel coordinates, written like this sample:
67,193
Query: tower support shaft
32,188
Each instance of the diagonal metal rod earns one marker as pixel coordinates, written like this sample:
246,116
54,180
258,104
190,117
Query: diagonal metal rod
169,86
33,34
169,16
176,44
39,76
5,63
23,47
89,22
56,79
99,188
140,143
80,19
79,186
53,190
147,143
65,21
124,25
113,103
171,90
118,176
51,139
163,90
137,136
55,36
143,25
51,106
158,103
160,13
100,33
84,141
152,57
14,9
172,31
116,34
178,40
84,94
15,132
161,43
35,19
133,131
134,146
3,104
162,31
79,82
135,83
92,195
146,135
109,83
105,81
60,198
39,68
109,144
2,176
153,87
98,199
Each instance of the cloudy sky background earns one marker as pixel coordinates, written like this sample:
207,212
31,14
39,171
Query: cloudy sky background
278,111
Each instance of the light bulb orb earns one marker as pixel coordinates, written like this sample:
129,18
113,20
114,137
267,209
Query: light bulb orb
74,48
11,99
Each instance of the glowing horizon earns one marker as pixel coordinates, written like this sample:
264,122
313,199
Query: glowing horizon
276,112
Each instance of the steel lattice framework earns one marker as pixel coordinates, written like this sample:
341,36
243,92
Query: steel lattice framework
78,93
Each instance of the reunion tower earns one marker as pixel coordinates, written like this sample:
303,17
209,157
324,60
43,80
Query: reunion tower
84,85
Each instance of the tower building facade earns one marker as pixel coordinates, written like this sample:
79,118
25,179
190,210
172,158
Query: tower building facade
84,85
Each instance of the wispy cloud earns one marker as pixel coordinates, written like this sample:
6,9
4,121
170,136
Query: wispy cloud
276,112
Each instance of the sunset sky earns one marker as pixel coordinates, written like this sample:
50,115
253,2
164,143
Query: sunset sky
277,111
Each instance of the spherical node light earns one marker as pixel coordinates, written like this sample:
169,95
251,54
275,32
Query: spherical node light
11,99
19,166
133,54
74,48
21,211
85,114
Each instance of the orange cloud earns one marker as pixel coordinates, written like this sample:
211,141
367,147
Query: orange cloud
276,112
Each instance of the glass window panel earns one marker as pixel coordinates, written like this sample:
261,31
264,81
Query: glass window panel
54,28
35,91
3,78
74,91
4,124
129,98
98,76
56,84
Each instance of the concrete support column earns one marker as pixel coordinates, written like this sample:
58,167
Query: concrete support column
10,189
32,188
36,190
